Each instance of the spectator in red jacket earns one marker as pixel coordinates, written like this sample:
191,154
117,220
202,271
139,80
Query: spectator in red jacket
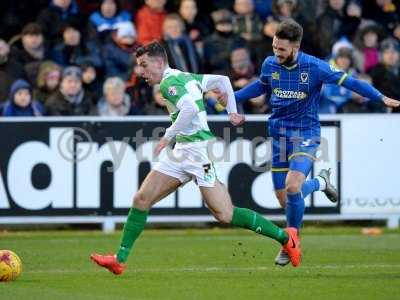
149,21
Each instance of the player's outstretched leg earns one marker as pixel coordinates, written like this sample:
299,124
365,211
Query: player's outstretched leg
322,183
329,189
220,204
249,219
155,187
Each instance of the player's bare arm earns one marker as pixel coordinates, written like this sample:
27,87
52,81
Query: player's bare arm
389,102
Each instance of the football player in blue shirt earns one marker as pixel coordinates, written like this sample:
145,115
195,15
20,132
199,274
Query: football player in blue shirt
294,80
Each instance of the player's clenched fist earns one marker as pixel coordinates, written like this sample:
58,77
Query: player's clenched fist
236,119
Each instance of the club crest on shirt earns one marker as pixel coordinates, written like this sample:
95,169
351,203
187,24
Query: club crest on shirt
172,91
334,68
304,77
275,75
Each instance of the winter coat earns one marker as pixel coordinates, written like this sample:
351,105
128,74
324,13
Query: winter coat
11,109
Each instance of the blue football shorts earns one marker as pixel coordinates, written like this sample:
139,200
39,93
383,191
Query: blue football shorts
293,151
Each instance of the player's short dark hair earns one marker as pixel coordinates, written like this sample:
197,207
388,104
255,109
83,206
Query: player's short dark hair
153,49
290,30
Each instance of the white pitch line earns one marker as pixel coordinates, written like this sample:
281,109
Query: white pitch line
217,269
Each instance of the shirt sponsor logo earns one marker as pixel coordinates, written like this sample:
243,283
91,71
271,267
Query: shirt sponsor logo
172,91
289,94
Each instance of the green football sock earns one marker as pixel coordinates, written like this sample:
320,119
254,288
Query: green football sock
132,229
249,219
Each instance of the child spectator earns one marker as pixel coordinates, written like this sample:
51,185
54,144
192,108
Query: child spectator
20,102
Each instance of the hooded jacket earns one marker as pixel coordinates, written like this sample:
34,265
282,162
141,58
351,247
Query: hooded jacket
11,109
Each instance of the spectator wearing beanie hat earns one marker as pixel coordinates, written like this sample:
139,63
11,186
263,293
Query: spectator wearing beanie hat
70,99
20,102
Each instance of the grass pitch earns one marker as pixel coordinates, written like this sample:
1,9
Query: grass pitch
205,264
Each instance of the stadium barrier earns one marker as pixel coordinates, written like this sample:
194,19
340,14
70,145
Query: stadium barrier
87,169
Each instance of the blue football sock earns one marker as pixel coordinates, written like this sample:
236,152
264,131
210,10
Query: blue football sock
294,210
309,187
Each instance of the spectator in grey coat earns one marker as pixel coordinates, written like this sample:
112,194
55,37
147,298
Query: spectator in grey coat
115,102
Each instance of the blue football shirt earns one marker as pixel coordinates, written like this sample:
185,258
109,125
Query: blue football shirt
296,91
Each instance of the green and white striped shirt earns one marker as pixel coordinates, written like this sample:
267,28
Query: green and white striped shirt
183,93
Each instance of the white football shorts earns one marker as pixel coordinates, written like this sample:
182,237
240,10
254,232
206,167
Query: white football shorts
186,162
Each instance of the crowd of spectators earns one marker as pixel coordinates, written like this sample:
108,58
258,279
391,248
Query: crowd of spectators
76,57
